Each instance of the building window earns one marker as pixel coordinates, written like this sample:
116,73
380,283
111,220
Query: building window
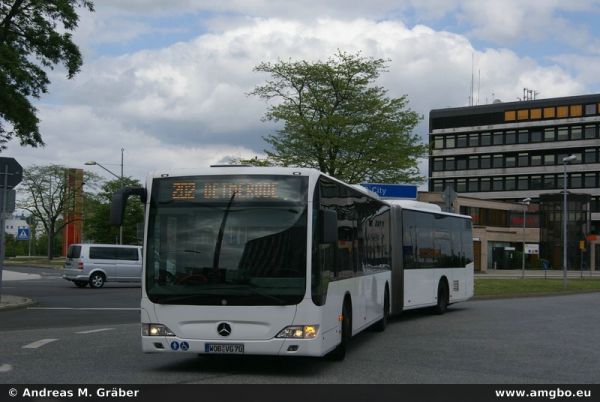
535,114
590,132
461,163
461,185
523,114
536,182
510,115
485,184
578,158
590,109
523,183
549,159
536,136
511,138
461,141
450,141
472,185
589,180
450,164
549,134
438,142
576,133
510,161
562,111
509,183
438,164
498,161
523,159
575,110
498,138
559,181
473,162
549,181
549,113
536,160
486,139
575,180
590,156
485,162
563,133
497,184
438,185
523,137
473,140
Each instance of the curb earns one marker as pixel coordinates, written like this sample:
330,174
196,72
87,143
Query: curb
16,302
523,295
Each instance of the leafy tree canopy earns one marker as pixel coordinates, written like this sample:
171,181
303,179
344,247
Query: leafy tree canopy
336,120
34,34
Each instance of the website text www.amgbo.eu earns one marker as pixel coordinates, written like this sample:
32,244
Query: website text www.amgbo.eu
544,393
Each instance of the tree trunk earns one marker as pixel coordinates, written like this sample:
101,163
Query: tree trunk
51,242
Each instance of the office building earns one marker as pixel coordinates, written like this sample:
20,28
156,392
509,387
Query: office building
512,151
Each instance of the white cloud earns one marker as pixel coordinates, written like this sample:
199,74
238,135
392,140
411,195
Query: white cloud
186,104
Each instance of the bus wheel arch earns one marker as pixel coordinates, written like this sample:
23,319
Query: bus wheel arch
339,353
443,296
381,325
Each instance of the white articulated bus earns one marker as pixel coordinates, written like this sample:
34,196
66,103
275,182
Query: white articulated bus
287,261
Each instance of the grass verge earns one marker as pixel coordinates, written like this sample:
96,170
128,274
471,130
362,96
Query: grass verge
35,261
527,287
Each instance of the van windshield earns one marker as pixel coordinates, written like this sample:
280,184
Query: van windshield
227,240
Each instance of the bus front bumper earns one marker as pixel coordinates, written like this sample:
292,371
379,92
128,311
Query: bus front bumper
276,346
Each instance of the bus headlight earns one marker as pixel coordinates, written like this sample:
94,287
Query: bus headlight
299,332
156,330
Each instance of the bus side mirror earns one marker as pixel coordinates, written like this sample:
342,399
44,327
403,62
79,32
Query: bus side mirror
328,226
119,201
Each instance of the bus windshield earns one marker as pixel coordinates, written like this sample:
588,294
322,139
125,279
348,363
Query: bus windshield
227,240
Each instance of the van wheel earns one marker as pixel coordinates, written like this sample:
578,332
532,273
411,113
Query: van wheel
97,280
382,324
442,298
339,353
80,284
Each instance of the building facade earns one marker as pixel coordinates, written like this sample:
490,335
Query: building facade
512,151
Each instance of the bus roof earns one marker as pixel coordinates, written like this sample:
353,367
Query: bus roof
423,207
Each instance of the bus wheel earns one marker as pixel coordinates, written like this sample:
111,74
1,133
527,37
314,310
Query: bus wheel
339,353
382,324
442,298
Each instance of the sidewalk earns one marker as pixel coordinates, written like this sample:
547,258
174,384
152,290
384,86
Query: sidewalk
549,274
8,302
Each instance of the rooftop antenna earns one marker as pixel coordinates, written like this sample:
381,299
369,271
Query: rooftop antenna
478,84
472,68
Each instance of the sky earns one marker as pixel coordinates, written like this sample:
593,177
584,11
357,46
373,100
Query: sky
167,80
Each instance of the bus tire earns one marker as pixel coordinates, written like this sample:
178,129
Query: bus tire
381,325
442,298
339,353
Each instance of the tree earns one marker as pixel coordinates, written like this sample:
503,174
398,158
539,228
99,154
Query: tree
46,196
30,40
336,120
97,212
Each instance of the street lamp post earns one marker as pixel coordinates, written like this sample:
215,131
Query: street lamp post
525,203
91,163
565,160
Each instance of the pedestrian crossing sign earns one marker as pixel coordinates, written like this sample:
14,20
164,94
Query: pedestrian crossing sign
23,234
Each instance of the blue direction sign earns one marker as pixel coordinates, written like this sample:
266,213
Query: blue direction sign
23,234
404,191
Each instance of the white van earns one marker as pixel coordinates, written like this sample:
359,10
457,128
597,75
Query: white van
99,263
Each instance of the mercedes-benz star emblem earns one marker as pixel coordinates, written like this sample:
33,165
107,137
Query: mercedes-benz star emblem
224,329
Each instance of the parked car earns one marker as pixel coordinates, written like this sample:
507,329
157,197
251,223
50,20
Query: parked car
99,263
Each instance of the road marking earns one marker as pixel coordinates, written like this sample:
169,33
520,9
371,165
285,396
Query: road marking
91,331
40,343
5,368
86,308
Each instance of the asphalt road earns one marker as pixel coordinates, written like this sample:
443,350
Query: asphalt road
527,340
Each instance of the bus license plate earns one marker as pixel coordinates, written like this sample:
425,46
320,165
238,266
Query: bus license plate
229,348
